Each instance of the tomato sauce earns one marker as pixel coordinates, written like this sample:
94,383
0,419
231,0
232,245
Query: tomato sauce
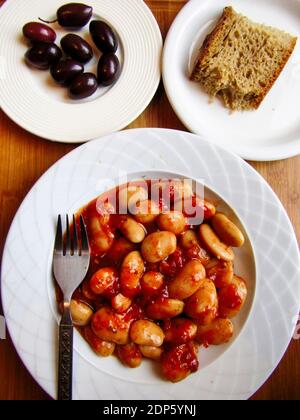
177,357
230,297
115,255
178,362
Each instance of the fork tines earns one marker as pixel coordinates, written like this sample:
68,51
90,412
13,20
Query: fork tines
71,244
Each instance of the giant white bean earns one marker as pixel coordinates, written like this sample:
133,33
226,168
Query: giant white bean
130,355
81,313
203,304
110,326
227,231
187,281
220,331
102,236
179,330
214,244
232,297
146,333
146,211
132,230
173,221
164,308
132,270
151,352
158,245
101,347
130,196
189,239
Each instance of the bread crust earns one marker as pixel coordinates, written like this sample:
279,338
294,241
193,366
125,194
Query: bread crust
257,101
213,37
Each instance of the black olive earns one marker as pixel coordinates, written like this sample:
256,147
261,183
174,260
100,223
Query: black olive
103,36
77,48
108,69
43,55
65,71
83,86
39,32
74,15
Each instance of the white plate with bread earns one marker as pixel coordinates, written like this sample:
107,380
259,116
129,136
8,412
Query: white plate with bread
232,74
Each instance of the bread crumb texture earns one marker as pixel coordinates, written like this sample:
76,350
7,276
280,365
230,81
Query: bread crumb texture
240,60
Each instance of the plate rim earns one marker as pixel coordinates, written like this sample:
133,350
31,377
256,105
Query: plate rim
241,217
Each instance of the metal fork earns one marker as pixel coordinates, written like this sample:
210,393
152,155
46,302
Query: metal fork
71,260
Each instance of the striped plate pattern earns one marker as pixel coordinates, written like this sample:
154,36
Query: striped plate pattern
31,98
27,288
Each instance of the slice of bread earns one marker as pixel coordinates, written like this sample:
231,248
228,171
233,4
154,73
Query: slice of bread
240,60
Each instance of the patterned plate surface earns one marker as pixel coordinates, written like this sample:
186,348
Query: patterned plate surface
27,288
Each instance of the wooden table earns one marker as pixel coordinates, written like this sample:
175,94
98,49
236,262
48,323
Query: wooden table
24,158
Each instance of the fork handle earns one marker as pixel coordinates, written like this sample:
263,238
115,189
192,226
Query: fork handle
65,369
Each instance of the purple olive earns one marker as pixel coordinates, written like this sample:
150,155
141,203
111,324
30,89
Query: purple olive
43,56
39,32
108,69
103,36
74,15
65,71
83,86
77,48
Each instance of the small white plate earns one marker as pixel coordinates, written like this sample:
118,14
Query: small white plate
227,372
33,100
273,131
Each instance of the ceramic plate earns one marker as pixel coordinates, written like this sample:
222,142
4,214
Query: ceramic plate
273,131
27,284
33,100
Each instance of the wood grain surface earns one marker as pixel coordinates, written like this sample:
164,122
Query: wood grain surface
24,158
